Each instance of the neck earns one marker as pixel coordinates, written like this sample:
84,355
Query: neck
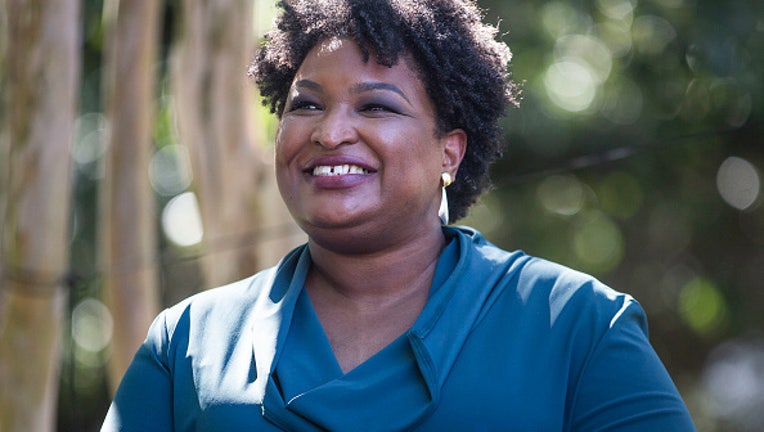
364,301
376,278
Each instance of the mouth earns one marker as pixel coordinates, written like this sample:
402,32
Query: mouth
337,170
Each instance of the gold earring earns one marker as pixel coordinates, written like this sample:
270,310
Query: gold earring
446,179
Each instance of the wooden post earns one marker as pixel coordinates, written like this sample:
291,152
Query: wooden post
213,104
127,219
40,88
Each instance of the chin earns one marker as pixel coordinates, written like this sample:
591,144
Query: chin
344,244
337,216
343,237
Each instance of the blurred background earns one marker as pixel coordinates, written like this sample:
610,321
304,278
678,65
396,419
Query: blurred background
636,155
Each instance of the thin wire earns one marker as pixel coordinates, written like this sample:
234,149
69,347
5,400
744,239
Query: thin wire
613,154
43,284
229,243
46,284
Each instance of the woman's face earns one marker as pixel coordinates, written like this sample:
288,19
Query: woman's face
357,147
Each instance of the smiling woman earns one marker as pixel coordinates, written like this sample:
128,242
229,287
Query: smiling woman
343,112
388,318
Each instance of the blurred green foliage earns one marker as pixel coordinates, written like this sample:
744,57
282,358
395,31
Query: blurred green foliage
636,155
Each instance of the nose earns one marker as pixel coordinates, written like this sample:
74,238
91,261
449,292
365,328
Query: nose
335,128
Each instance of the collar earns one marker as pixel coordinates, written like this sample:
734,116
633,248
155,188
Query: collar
380,393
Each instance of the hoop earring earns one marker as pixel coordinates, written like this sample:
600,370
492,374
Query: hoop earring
446,180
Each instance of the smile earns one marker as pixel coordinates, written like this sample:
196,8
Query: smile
337,170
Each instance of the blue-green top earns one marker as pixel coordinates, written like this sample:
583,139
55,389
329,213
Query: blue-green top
505,342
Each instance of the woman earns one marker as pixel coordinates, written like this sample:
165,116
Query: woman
388,319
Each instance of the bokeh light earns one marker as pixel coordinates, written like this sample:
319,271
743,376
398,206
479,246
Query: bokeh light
581,64
92,325
734,381
170,170
598,243
182,221
620,194
735,103
652,34
561,194
616,35
570,85
90,143
702,306
616,9
622,102
696,103
671,282
485,215
738,183
561,18
587,51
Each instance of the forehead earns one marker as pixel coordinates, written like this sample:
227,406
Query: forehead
328,46
344,56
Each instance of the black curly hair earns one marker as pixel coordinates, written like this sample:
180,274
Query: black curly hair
462,65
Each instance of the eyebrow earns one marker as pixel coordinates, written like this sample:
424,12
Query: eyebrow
308,84
376,85
358,88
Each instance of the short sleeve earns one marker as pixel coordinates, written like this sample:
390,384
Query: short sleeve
143,401
624,386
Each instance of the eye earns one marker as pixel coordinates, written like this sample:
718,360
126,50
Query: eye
379,108
303,105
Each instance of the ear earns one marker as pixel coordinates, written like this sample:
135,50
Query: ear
454,146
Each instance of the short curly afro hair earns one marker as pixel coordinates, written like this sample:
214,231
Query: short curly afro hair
463,67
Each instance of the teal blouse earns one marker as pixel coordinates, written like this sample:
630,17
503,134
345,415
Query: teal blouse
505,342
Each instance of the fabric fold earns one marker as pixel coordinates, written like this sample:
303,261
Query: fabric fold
413,367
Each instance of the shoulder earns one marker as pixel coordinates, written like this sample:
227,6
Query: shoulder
562,287
226,310
539,287
212,314
225,301
576,304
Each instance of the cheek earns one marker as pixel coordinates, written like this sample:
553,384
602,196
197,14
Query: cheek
423,152
286,146
285,178
283,154
285,183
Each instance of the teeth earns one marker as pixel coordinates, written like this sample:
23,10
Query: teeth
325,170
